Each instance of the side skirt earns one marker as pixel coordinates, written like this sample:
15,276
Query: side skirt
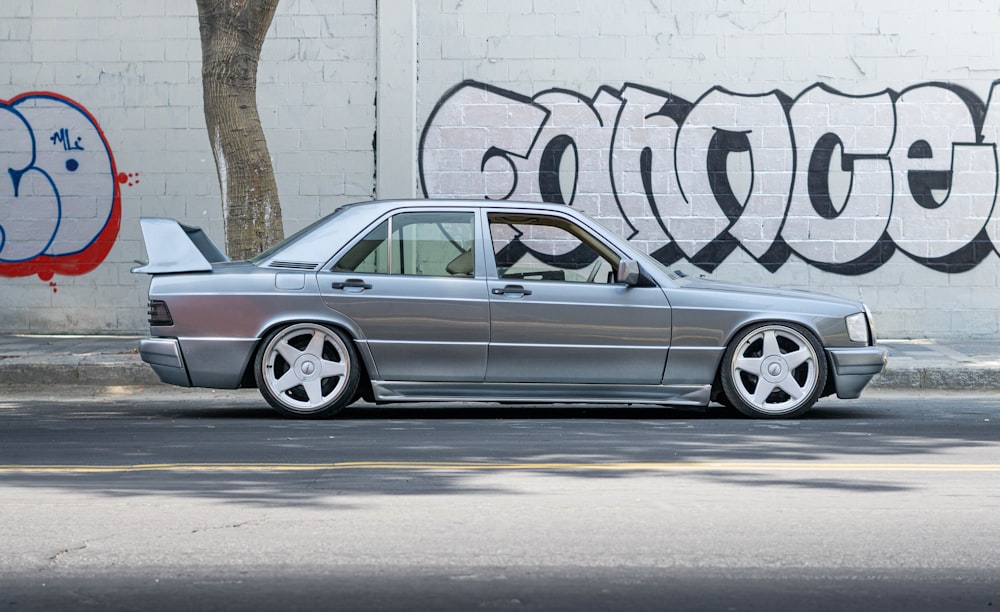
683,395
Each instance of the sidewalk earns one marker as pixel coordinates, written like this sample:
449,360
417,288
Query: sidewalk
959,364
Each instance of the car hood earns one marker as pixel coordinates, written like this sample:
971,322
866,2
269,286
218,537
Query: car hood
705,284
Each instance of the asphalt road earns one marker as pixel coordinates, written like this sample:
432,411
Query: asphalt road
205,500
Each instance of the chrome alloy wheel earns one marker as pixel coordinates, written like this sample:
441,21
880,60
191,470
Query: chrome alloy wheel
774,370
307,369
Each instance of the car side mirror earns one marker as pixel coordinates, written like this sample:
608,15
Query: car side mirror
628,272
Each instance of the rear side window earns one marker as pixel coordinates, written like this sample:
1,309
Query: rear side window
416,244
370,256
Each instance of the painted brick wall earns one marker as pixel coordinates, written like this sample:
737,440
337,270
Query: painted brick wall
135,67
698,128
715,133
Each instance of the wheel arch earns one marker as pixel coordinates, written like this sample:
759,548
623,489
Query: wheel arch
806,322
340,323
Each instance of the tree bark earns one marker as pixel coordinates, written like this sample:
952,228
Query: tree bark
232,34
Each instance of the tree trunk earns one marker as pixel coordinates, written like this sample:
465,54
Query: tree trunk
232,33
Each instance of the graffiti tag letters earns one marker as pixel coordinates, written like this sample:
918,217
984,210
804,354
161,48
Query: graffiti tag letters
841,181
59,197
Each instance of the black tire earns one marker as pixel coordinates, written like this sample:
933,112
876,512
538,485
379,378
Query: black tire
307,370
774,370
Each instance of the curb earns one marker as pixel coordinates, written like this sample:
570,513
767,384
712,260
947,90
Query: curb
97,370
938,378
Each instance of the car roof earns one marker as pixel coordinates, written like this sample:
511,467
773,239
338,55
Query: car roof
297,247
391,204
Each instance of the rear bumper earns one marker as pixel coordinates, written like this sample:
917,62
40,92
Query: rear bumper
215,363
853,368
164,356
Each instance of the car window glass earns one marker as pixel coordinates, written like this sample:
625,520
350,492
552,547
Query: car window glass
370,255
422,244
532,247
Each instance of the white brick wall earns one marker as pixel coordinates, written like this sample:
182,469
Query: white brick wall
135,66
687,49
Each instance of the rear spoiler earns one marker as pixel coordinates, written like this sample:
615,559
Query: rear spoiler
173,247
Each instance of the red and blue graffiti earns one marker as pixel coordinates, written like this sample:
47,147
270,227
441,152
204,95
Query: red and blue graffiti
60,201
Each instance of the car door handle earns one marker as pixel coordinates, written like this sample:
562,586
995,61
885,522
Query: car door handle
512,290
352,283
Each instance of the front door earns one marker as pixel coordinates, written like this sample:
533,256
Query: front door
557,314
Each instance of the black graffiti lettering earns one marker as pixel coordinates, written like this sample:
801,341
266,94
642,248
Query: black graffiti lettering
550,170
841,181
725,143
948,179
819,175
923,183
641,161
481,146
492,157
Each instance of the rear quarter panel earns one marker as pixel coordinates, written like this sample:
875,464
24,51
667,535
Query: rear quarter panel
219,318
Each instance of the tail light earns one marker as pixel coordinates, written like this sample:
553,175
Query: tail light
159,314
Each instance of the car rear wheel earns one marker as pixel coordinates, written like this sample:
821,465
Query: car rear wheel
774,371
307,370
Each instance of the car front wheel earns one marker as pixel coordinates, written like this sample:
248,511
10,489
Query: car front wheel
774,371
307,370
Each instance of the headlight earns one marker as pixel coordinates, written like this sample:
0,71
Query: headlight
857,327
860,327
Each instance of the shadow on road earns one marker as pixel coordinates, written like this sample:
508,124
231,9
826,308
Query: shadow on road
239,451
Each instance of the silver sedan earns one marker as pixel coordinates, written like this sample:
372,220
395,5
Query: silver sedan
423,300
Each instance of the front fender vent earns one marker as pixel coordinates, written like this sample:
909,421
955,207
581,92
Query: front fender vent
293,265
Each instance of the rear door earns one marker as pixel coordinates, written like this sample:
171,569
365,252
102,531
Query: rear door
411,284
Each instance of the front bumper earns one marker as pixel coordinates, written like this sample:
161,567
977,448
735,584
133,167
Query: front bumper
853,368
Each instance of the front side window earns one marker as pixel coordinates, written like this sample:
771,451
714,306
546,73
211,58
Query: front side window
418,244
533,247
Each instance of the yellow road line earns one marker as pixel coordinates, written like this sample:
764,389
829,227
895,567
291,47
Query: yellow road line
675,466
